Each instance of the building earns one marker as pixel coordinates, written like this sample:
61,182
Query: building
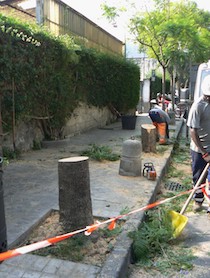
62,19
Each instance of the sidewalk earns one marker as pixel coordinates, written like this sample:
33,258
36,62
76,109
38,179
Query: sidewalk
31,191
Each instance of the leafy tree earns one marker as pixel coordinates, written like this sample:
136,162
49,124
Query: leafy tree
190,27
172,32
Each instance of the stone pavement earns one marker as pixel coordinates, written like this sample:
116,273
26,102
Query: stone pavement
31,192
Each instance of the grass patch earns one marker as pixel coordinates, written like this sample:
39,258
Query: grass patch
100,153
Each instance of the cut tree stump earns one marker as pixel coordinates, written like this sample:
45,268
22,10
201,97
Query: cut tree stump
74,193
148,138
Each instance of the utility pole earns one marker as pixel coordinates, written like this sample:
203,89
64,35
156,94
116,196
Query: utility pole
40,12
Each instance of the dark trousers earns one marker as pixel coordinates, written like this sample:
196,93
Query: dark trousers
198,165
167,131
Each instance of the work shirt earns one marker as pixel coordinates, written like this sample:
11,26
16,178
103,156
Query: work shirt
199,118
165,117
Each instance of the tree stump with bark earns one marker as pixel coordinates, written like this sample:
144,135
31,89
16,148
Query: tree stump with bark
148,138
74,193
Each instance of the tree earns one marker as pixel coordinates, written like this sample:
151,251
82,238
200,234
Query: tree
173,33
189,26
3,234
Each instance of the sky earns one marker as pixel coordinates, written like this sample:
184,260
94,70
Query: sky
94,12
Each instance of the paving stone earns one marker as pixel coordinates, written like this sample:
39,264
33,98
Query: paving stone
52,266
31,274
31,191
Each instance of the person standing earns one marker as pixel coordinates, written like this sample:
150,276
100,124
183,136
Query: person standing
199,125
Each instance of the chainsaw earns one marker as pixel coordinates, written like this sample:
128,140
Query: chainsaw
149,171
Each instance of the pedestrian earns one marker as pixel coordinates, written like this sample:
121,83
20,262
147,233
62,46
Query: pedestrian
159,99
163,101
199,124
160,120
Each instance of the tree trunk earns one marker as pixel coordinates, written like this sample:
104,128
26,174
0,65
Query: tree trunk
148,138
3,232
163,86
74,193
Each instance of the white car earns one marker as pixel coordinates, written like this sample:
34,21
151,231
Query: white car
203,71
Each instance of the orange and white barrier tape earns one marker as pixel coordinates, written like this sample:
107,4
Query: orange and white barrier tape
206,191
88,230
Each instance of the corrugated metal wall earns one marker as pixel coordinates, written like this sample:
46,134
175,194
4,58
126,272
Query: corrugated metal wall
62,19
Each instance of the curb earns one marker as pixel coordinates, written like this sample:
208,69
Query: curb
116,266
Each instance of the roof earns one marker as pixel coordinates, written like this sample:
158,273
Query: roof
7,2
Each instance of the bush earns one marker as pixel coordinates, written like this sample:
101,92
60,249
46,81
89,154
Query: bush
44,77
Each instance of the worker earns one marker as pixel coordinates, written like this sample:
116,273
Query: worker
198,122
160,120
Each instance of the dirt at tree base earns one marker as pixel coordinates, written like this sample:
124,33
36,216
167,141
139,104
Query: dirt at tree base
94,251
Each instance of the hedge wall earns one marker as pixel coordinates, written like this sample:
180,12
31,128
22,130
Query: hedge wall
44,77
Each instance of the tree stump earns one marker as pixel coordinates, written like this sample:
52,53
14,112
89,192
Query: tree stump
74,193
148,138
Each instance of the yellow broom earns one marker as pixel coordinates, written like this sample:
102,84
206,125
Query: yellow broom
179,220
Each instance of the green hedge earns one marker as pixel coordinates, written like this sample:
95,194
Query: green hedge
44,77
106,79
156,86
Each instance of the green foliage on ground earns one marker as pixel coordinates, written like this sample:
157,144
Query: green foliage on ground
152,235
100,153
154,247
80,246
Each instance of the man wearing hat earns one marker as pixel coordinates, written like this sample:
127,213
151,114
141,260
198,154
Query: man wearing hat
199,124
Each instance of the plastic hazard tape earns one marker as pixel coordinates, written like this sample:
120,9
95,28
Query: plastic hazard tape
88,230
206,191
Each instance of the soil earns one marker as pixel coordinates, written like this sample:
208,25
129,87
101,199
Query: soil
92,249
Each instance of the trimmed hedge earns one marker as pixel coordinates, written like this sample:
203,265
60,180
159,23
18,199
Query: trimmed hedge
44,77
106,79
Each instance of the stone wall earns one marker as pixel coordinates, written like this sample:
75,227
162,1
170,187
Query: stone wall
83,119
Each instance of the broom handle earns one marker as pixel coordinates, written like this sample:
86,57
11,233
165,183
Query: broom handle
198,183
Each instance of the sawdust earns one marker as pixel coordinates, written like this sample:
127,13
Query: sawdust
93,250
